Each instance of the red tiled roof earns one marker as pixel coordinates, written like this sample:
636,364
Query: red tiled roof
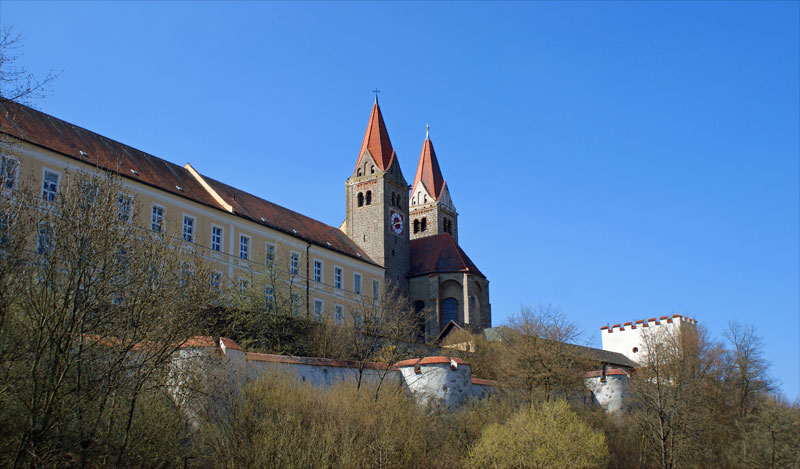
312,361
609,372
484,382
428,171
62,137
199,341
229,343
285,220
439,254
70,140
429,361
376,140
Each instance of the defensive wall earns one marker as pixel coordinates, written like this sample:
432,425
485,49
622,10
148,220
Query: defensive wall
222,368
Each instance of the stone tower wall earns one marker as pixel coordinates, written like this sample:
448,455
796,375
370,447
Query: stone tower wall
369,226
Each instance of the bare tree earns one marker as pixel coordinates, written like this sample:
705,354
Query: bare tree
748,381
94,308
674,396
16,83
536,358
381,329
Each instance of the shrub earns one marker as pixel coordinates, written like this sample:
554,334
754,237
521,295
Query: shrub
548,435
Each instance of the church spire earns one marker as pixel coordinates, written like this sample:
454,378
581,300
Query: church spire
376,140
428,171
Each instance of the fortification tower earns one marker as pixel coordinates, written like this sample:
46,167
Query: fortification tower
627,338
430,207
377,208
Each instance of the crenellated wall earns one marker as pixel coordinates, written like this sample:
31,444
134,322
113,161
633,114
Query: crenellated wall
626,338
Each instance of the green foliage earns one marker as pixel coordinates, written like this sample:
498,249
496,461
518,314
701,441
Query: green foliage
286,423
549,435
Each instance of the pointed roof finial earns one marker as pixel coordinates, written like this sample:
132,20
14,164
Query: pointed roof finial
428,172
376,91
427,132
376,140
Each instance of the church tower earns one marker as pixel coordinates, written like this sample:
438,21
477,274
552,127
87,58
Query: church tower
377,203
431,209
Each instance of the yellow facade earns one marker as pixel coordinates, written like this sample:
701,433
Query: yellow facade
313,262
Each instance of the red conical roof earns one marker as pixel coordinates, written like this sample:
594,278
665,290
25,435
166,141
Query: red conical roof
428,171
376,140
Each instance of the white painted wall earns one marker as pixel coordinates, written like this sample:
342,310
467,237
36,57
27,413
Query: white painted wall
439,383
612,393
627,338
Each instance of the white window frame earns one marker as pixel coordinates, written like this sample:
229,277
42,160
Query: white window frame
376,289
4,173
294,263
244,247
163,210
55,192
193,228
318,313
215,279
47,246
338,280
125,207
269,296
338,316
270,262
358,286
219,243
294,299
319,276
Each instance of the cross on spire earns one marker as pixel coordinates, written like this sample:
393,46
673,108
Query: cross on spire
427,131
376,91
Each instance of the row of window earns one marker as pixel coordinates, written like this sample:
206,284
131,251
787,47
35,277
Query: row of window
50,183
420,225
419,198
364,199
396,202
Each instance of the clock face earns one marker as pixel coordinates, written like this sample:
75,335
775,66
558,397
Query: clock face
397,222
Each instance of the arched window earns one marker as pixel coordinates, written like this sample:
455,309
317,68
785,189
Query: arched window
416,225
449,311
413,201
399,204
426,198
358,173
369,197
424,225
360,199
392,199
372,169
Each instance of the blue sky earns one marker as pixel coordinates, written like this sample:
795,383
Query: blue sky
620,160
